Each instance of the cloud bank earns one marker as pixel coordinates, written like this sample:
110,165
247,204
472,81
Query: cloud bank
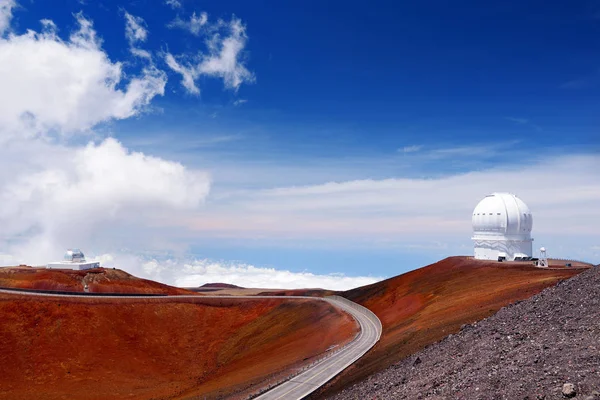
194,272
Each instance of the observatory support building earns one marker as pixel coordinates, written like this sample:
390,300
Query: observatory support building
502,226
73,259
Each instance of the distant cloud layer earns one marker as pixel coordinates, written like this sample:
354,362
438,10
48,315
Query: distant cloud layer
194,273
562,191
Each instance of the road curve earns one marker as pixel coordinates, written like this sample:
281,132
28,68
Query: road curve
312,378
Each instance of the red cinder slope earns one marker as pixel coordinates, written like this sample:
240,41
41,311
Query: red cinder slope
99,280
94,348
425,305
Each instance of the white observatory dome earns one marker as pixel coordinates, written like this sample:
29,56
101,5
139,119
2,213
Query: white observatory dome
74,255
502,213
502,225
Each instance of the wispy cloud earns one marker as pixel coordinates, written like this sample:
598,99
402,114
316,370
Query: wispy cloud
410,149
409,208
224,58
188,74
175,4
134,29
194,24
524,122
239,102
6,7
476,150
136,32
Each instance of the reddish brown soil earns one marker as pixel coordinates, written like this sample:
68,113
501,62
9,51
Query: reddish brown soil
425,305
99,280
93,348
297,292
221,285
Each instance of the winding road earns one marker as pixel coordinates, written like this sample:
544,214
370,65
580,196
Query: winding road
313,378
316,375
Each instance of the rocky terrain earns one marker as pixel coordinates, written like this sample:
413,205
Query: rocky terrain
423,306
546,347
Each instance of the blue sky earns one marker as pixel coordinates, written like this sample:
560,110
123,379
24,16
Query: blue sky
344,111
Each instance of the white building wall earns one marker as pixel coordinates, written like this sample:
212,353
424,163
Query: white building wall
73,265
491,249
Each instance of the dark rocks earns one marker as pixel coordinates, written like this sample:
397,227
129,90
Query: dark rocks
547,347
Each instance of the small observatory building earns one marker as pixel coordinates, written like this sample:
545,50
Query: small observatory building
502,225
73,259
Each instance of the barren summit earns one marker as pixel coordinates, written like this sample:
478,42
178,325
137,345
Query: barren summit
153,348
528,350
98,280
423,306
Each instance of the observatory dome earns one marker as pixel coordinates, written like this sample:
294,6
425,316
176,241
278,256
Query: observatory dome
502,214
74,255
502,225
73,259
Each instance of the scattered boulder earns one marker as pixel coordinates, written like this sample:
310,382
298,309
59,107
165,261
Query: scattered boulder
568,390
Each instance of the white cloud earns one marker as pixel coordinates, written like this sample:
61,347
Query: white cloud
52,85
224,58
100,196
135,32
472,150
83,194
239,102
188,73
173,3
134,29
194,273
562,191
411,149
6,7
194,25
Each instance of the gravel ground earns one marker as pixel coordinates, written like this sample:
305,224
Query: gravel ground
529,350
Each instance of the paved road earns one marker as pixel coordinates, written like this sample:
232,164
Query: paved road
310,380
314,377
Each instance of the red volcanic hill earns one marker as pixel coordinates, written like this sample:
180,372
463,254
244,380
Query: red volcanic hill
423,306
98,280
221,286
527,350
158,348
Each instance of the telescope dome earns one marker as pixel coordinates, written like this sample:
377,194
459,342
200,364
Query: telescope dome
502,225
502,214
74,255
